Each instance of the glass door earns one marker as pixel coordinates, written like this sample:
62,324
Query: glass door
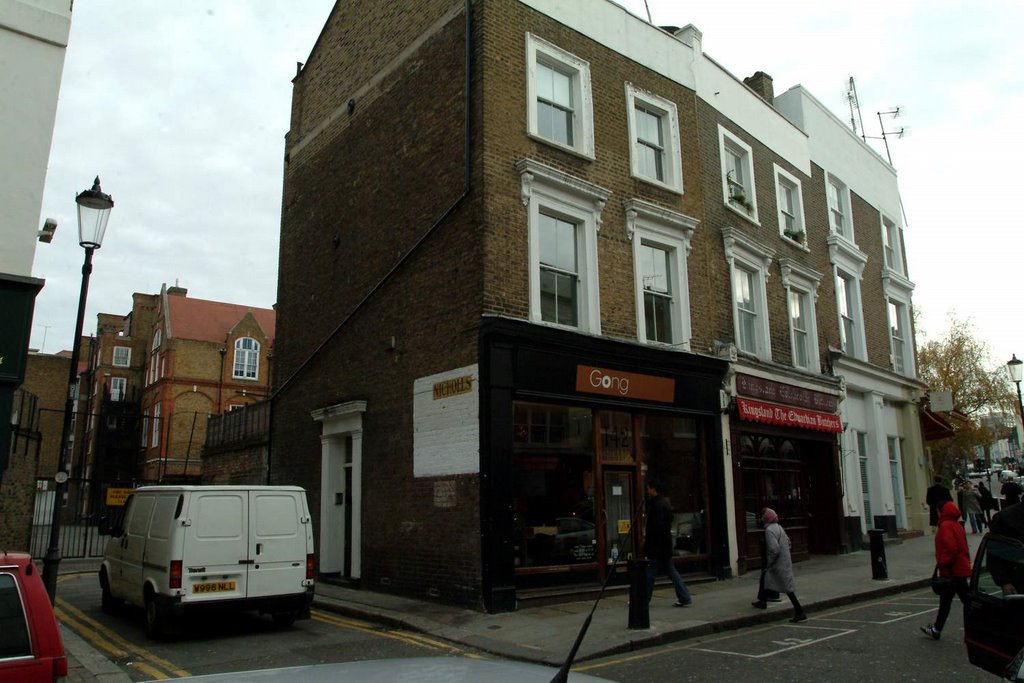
618,514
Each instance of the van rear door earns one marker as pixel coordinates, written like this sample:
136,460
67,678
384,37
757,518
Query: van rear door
215,556
278,542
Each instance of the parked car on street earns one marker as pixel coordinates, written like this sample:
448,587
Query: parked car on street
30,645
994,614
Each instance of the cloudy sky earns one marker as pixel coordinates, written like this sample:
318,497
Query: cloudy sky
181,108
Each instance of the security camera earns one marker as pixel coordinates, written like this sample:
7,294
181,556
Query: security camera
49,228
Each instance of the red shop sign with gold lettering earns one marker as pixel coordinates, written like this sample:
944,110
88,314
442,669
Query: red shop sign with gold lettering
787,416
624,384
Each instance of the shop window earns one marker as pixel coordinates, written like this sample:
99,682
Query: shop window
674,457
553,453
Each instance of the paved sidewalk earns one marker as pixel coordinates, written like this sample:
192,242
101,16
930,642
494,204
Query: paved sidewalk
546,634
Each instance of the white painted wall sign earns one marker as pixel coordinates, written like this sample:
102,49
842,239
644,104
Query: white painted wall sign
446,423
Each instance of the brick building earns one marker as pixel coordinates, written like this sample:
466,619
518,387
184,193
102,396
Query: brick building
532,255
157,373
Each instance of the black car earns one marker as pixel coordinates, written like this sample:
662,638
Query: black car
994,615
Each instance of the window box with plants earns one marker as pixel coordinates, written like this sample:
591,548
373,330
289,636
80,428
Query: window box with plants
798,236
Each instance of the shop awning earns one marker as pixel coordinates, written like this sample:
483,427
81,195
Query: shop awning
935,426
787,416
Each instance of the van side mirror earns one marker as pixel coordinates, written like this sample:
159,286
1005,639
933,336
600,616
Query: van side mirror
113,524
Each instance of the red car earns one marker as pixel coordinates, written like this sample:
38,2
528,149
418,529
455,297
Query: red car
30,645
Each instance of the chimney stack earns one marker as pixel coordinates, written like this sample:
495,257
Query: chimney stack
761,83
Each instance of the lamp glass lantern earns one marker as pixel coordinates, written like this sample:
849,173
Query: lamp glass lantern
93,212
1016,368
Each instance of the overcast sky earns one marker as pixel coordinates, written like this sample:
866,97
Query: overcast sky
182,107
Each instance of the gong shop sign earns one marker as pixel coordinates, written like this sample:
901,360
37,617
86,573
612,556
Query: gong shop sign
787,416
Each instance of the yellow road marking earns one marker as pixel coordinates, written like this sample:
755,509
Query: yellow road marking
110,641
403,636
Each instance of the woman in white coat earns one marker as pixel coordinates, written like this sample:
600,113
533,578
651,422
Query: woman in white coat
778,572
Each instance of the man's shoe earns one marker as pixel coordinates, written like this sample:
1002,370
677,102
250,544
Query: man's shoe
760,604
679,603
930,631
797,618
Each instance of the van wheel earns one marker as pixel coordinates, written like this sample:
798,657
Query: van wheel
284,619
108,603
155,619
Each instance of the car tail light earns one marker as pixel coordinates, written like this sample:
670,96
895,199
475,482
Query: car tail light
175,581
60,667
310,566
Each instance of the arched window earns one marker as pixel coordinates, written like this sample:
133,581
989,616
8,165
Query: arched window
247,358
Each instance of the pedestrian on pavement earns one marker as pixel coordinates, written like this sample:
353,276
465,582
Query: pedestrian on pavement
936,496
778,572
972,507
1011,492
953,559
988,501
658,544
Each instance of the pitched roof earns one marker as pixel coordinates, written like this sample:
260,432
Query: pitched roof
211,321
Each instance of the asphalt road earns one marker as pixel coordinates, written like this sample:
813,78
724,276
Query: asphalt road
234,642
874,641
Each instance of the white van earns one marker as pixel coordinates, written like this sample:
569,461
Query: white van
181,549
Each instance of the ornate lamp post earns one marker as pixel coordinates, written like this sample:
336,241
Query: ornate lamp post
1016,368
93,211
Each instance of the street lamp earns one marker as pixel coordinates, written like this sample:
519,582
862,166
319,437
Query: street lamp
1016,368
93,211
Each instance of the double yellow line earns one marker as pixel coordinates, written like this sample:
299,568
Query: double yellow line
157,668
407,637
116,647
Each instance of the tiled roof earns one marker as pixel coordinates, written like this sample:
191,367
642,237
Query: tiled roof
202,320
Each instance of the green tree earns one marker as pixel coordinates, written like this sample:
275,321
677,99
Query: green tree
961,364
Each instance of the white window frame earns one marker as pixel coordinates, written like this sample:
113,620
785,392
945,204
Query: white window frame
899,357
145,428
538,49
892,246
121,357
155,441
545,189
898,289
647,224
668,117
804,282
843,207
242,358
848,296
798,234
742,252
726,142
849,260
118,388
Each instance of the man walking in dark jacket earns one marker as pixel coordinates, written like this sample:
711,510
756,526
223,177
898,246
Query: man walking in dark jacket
936,496
658,544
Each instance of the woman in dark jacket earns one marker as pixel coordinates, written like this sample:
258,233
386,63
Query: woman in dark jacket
953,559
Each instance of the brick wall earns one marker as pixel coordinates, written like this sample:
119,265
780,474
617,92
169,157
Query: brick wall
18,488
356,200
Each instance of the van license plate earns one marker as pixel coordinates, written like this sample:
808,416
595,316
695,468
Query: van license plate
214,587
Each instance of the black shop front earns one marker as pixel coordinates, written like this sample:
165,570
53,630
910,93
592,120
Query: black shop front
786,457
571,426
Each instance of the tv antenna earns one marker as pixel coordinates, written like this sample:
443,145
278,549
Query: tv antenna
895,112
851,98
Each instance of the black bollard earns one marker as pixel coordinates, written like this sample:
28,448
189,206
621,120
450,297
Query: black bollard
639,614
879,572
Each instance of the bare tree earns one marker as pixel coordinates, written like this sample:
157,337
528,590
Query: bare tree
983,395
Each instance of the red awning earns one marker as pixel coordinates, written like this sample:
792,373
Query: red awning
787,416
935,426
